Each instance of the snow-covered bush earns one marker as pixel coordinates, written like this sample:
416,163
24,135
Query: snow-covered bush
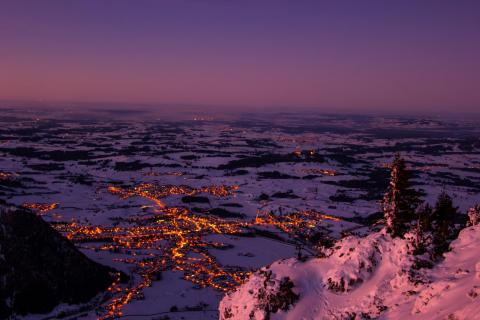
267,294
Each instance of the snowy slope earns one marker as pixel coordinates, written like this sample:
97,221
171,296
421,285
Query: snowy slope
367,278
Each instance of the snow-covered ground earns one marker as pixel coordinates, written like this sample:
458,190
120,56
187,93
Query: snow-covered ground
366,278
288,165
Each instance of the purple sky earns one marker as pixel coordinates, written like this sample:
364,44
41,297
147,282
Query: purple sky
332,55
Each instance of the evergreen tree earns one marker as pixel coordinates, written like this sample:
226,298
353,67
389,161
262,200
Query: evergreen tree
422,232
474,215
400,201
425,217
443,220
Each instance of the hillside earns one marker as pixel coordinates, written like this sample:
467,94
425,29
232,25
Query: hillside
374,277
40,268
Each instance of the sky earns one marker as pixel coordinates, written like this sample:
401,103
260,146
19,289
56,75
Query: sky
328,55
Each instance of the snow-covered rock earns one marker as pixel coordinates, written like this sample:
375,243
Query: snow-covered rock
365,278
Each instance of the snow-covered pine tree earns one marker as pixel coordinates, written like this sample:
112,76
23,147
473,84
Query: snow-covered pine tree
443,220
400,201
474,215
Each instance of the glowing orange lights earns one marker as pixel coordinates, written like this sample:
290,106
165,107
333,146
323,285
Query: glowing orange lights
293,222
40,208
324,172
173,238
170,238
6,175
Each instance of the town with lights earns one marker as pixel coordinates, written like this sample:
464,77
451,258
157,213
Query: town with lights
184,215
